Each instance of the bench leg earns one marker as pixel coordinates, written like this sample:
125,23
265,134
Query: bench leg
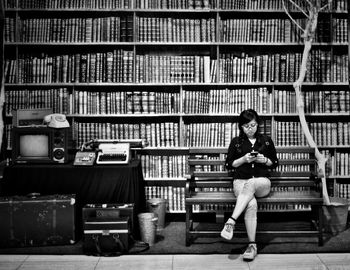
188,224
320,226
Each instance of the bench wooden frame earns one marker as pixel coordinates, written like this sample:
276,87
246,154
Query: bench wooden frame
210,179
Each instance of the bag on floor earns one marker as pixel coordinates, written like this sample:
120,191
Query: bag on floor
106,237
110,237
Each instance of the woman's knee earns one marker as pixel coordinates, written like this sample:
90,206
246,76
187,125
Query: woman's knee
262,186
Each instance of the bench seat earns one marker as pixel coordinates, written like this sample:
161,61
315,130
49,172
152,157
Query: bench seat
274,197
207,186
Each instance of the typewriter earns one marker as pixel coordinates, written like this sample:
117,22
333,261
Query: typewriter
113,153
107,151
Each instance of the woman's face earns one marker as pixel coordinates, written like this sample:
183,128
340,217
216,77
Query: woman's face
250,128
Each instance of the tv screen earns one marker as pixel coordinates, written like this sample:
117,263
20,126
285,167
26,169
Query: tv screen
34,146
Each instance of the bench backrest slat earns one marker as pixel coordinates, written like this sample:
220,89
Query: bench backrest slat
222,162
228,183
216,174
295,162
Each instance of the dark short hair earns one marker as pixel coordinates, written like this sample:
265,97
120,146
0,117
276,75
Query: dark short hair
247,116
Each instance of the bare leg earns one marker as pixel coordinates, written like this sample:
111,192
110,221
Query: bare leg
245,194
245,191
250,219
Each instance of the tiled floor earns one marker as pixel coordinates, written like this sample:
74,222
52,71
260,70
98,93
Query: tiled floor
320,261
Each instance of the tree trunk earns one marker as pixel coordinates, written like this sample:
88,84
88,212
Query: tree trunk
321,160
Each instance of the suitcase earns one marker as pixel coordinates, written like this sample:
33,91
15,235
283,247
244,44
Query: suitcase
37,220
91,211
106,236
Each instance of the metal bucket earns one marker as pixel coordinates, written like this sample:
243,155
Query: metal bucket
148,227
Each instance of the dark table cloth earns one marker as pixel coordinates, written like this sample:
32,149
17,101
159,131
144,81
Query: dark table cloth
97,184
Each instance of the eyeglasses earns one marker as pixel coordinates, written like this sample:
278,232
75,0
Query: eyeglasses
253,125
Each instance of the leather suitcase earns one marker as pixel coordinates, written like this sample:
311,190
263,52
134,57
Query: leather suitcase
106,236
116,210
37,220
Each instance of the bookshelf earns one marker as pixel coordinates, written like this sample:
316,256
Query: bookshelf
177,74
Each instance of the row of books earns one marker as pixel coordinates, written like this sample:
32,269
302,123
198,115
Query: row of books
293,156
322,101
278,30
151,29
118,66
261,207
72,4
340,30
284,206
296,5
336,5
337,163
175,4
228,101
210,168
114,66
165,134
215,134
174,196
209,134
130,102
93,103
293,168
282,67
55,98
212,101
342,190
55,30
156,166
174,69
324,134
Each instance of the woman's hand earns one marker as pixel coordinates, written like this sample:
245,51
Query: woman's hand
248,158
260,158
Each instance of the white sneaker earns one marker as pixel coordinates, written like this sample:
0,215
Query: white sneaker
250,252
227,231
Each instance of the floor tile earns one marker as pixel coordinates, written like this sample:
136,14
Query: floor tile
59,262
287,261
144,262
9,262
336,261
220,262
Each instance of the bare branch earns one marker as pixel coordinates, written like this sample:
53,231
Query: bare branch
325,6
298,7
290,17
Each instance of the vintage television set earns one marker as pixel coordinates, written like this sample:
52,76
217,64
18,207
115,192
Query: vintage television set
39,144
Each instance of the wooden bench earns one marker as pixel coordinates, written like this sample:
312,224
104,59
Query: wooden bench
293,183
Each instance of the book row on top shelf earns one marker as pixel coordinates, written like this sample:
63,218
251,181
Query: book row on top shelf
171,28
337,5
